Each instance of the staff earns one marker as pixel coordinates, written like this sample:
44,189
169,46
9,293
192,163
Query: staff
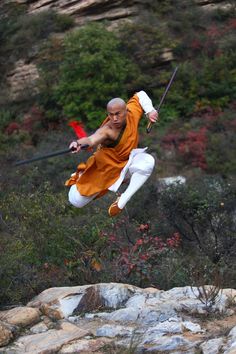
55,153
150,124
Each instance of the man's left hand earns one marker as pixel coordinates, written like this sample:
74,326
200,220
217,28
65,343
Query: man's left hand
153,116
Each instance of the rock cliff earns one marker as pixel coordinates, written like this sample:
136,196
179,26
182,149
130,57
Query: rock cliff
94,10
89,10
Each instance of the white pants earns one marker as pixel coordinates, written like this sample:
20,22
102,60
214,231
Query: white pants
140,168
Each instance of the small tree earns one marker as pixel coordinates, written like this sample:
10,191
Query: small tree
93,71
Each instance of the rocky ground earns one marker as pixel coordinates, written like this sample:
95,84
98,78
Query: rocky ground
121,318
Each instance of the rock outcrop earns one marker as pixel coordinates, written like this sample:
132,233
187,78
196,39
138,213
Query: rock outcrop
101,317
96,10
22,80
88,10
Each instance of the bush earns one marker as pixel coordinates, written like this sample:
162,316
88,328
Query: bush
39,233
46,242
93,71
145,44
206,141
50,58
30,29
142,257
5,118
221,144
203,213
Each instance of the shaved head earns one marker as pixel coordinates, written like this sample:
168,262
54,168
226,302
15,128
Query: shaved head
116,102
116,110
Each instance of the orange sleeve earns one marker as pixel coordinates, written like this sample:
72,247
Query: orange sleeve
134,106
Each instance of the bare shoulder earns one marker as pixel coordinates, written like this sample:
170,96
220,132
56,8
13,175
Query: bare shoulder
105,130
101,134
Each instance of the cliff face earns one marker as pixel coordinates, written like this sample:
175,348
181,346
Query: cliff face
95,10
88,10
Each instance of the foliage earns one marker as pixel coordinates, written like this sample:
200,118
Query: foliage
30,29
21,34
209,295
9,13
45,242
50,58
205,51
220,155
140,261
190,146
16,130
207,82
145,42
202,212
206,142
133,254
5,119
91,59
38,231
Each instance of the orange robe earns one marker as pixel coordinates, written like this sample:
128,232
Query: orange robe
103,168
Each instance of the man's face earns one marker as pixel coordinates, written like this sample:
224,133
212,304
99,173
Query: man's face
117,115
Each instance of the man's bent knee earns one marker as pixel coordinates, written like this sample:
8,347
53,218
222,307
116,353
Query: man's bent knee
76,199
149,162
143,163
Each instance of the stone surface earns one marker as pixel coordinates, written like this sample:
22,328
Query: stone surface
85,346
23,80
49,342
124,316
5,334
230,347
110,330
89,10
21,316
211,346
102,9
62,302
39,328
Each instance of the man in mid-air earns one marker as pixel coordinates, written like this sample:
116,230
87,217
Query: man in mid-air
116,155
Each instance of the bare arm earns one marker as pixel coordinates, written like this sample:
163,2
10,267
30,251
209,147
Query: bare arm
92,141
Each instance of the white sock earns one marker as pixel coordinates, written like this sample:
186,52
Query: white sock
136,181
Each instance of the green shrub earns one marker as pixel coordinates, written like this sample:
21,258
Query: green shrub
30,29
203,213
221,145
46,242
50,58
6,117
212,83
39,233
93,71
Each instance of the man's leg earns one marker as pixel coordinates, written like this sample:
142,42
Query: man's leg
78,200
140,169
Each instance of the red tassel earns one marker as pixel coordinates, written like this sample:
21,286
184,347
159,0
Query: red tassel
78,128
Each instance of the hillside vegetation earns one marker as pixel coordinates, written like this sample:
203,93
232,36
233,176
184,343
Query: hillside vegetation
181,235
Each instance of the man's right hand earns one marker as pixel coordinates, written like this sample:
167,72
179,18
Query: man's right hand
75,147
